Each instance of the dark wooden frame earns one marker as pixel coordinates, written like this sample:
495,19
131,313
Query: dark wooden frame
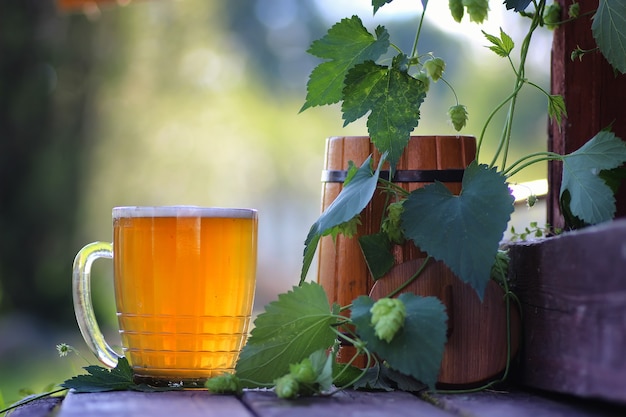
594,97
573,293
573,287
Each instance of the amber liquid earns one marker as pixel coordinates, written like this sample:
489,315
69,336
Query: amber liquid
184,289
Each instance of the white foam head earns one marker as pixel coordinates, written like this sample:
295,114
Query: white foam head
183,211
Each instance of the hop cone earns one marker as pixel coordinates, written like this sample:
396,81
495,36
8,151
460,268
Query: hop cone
458,116
435,68
456,9
388,316
392,223
477,9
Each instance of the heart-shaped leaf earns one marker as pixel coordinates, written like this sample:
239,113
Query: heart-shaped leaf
590,198
417,348
463,231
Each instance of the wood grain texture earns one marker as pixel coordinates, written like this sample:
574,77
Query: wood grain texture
342,270
594,98
476,350
152,404
262,403
343,404
523,404
573,293
42,407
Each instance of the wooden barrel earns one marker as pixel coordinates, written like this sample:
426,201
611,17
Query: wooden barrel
477,342
341,268
477,347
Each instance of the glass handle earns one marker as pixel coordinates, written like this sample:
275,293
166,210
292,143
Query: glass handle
83,306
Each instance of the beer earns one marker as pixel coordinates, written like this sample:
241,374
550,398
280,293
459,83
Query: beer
184,283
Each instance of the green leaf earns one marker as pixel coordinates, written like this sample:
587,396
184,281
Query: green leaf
99,379
376,250
323,366
374,379
609,31
417,348
345,375
614,177
503,45
393,99
377,4
591,199
463,231
289,330
517,5
350,202
571,221
556,108
346,44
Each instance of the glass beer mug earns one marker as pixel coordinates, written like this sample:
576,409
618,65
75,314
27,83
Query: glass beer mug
184,280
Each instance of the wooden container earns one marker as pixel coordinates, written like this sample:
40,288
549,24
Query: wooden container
476,349
341,268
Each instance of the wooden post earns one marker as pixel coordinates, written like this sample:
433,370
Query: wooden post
594,97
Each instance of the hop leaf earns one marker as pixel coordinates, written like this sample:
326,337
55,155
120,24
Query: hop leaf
352,199
423,77
517,5
477,9
290,329
346,44
435,68
556,108
474,220
458,116
377,4
590,198
608,31
388,316
503,45
377,252
393,99
417,349
456,9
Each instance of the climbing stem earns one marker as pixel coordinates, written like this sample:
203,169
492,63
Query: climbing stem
503,147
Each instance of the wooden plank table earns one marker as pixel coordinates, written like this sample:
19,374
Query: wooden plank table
201,403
